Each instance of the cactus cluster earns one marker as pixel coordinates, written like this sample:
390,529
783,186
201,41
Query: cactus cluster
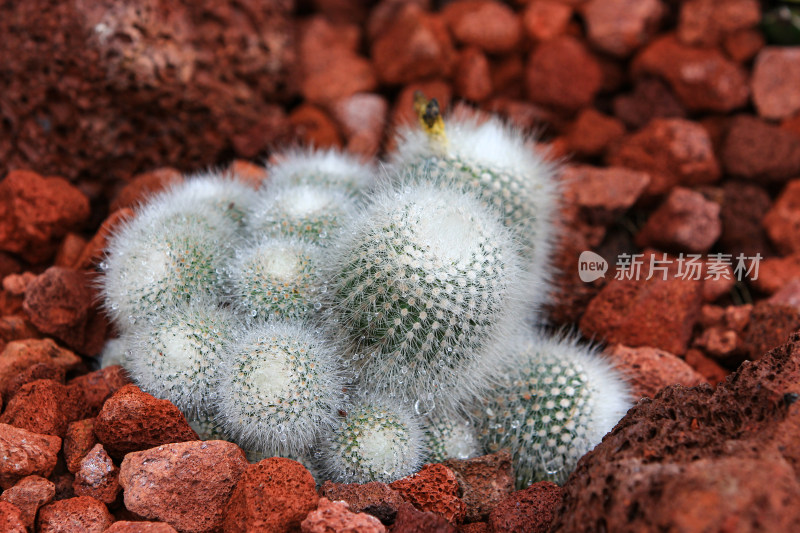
363,323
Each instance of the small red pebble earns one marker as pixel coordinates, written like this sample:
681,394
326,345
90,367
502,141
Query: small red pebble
97,476
472,79
782,221
648,370
434,489
74,515
545,19
27,453
141,186
335,516
527,511
620,27
78,440
29,494
11,520
42,406
563,73
315,127
686,221
489,25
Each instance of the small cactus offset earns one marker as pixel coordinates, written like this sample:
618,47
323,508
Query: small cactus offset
177,355
329,168
378,440
276,278
280,386
450,436
311,213
423,284
554,404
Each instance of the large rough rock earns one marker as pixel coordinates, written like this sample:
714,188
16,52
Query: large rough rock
29,495
74,515
698,459
107,89
25,453
185,484
433,489
483,482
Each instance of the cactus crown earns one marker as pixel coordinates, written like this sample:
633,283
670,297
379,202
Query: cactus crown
555,403
279,387
450,436
377,441
422,284
213,191
331,168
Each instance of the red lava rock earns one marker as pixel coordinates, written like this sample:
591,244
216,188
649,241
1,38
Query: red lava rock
36,211
17,284
22,354
561,72
702,78
434,489
527,511
743,45
275,494
250,174
720,343
142,186
403,112
711,371
788,295
483,482
60,302
93,389
93,252
132,420
69,251
474,527
314,127
743,207
648,370
331,68
619,27
545,19
161,483
774,273
673,151
385,12
685,221
374,498
27,453
759,151
79,439
508,75
362,118
697,459
74,515
33,373
650,99
126,526
11,519
409,520
472,80
602,194
415,46
63,483
335,516
706,22
14,328
782,222
97,476
489,25
592,132
656,312
28,495
770,325
41,406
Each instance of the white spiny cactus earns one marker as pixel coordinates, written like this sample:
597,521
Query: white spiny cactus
450,436
498,165
213,191
166,255
276,277
555,403
115,352
331,168
424,283
313,213
378,440
281,385
178,354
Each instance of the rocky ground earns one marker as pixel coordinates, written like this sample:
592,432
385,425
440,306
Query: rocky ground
679,126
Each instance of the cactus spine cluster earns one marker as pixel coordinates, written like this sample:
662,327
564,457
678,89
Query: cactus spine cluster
349,325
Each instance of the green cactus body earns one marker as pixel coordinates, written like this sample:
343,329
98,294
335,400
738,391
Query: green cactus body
161,259
312,213
554,405
450,436
177,356
424,284
276,278
377,441
280,386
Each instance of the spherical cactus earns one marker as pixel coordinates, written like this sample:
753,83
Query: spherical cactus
281,385
450,436
555,403
213,191
313,213
276,278
207,427
178,355
115,352
497,164
378,440
166,255
424,283
331,168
